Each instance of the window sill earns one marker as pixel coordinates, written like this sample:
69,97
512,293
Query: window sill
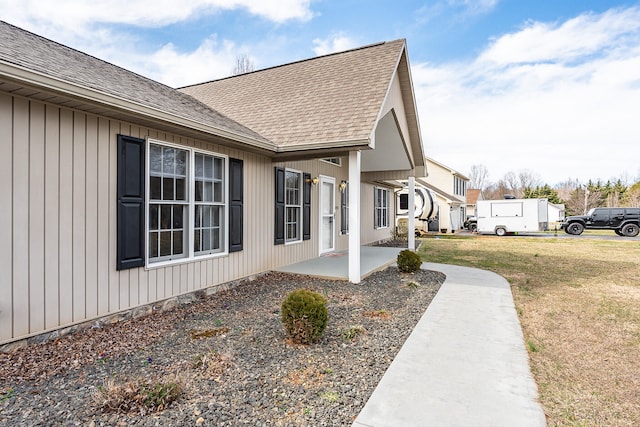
180,261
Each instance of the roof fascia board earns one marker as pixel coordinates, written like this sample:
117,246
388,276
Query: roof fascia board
39,80
415,161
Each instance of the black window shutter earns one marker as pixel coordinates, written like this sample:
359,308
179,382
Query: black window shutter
236,204
344,215
306,207
131,179
279,207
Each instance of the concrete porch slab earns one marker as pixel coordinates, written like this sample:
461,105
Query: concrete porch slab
335,265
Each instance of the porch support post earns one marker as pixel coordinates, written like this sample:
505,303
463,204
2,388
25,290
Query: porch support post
354,216
411,216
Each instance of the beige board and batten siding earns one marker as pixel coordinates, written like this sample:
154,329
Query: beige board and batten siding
58,176
368,232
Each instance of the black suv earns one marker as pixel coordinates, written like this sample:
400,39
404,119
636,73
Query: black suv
624,221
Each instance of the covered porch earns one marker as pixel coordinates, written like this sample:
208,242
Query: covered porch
335,265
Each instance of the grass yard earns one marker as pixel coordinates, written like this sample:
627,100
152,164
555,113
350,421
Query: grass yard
579,305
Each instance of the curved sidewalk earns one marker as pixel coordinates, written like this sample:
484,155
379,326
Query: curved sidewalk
464,364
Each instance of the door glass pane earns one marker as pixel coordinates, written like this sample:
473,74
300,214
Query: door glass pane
327,198
327,232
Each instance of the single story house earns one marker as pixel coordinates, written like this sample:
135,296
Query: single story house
120,192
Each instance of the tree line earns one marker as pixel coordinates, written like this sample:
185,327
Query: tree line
577,197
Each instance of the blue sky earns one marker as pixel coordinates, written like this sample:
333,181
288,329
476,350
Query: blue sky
548,86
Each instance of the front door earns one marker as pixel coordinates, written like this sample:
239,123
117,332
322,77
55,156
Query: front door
327,214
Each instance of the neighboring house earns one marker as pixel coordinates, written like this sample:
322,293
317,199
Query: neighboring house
473,195
450,187
556,212
121,192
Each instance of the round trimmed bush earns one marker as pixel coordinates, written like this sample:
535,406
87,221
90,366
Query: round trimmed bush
304,316
409,261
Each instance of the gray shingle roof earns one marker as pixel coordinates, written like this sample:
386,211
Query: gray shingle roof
326,99
35,53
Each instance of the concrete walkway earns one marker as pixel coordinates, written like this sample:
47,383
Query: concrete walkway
464,364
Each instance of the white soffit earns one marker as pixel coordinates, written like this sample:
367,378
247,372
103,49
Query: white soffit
390,152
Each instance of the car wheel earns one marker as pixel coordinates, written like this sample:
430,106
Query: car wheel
618,232
575,228
500,231
630,230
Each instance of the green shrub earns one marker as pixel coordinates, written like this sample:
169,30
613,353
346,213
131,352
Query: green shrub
409,261
304,316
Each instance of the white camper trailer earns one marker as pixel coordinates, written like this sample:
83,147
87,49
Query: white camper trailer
512,216
426,208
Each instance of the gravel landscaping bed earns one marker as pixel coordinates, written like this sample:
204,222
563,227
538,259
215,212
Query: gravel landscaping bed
230,353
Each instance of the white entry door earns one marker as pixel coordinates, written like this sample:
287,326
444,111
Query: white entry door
327,214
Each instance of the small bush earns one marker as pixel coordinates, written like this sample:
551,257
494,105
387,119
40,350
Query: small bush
409,261
304,316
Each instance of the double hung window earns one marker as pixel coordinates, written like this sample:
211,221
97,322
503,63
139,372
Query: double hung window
381,207
293,206
186,205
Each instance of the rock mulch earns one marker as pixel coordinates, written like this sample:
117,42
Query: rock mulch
230,352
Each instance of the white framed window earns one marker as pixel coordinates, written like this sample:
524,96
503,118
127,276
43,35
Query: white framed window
293,206
186,203
381,207
337,161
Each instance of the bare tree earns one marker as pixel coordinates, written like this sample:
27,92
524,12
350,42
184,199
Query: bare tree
528,179
511,183
478,177
244,64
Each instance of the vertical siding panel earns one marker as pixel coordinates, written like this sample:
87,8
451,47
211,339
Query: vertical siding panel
51,207
152,277
134,287
36,218
20,217
6,217
79,220
143,280
91,217
103,238
114,275
65,243
168,282
160,284
176,280
197,279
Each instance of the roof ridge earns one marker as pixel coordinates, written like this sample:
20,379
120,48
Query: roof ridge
369,46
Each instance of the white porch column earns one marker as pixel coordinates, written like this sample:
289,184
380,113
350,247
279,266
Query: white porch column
412,218
354,216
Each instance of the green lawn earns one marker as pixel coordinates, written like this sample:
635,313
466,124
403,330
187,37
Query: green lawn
579,305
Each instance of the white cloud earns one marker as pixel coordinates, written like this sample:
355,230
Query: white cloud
149,13
92,27
334,43
559,99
